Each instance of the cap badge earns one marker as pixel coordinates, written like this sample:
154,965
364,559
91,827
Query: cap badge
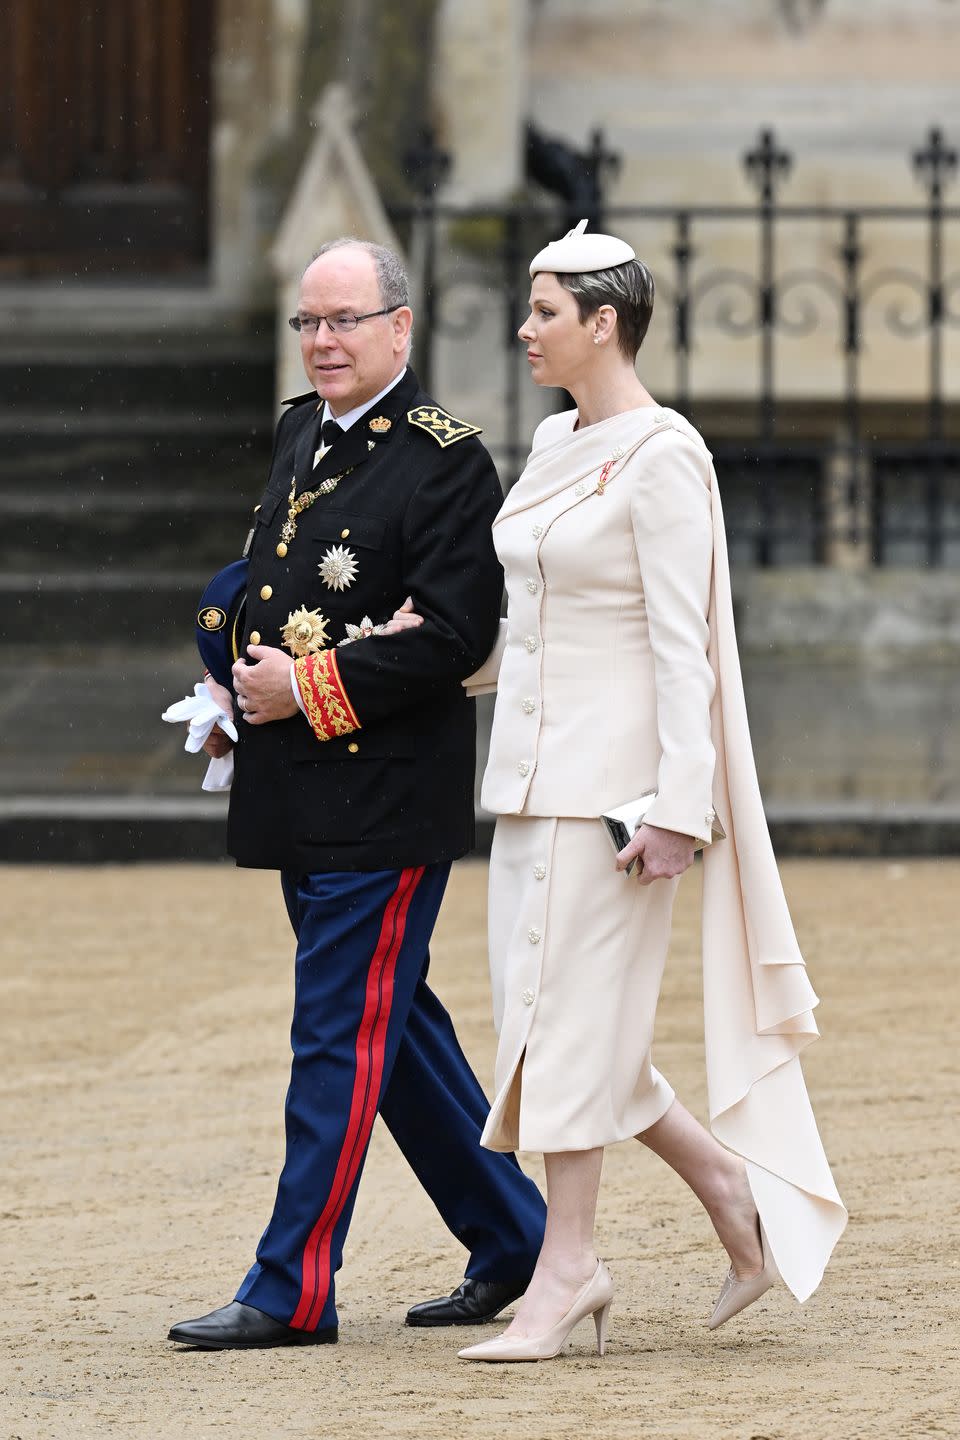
380,425
213,618
338,568
305,632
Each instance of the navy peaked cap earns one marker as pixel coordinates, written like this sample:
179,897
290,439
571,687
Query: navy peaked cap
220,620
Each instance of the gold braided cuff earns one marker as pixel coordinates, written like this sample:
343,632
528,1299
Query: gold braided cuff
326,701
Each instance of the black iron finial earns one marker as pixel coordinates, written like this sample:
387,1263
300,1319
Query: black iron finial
426,164
767,165
935,165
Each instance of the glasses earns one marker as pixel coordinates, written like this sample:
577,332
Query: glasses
338,324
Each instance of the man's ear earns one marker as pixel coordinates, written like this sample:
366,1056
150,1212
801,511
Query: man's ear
402,326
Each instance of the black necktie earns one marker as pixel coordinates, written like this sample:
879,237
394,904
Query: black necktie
330,431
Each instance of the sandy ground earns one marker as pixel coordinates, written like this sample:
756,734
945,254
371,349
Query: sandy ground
144,1016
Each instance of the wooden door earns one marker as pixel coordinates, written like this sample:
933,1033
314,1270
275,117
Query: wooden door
104,135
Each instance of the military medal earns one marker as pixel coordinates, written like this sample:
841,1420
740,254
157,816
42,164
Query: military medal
361,631
338,568
305,632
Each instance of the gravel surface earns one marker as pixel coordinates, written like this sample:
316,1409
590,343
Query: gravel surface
144,1014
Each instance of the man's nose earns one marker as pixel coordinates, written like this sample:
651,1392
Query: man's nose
325,338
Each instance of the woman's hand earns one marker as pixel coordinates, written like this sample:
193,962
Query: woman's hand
217,744
406,618
662,854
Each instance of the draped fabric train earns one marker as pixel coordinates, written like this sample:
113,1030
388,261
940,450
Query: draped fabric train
757,996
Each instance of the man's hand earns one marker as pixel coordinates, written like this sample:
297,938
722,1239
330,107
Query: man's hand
264,689
217,744
662,854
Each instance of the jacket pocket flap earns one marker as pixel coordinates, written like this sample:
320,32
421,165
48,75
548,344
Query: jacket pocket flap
341,527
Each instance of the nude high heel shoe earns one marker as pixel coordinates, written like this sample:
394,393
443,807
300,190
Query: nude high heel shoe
594,1299
735,1295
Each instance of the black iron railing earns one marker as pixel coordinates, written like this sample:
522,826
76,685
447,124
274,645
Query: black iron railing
800,478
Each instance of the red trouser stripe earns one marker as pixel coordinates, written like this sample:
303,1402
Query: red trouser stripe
370,1055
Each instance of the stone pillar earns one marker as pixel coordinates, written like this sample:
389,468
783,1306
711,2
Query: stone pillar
480,96
334,195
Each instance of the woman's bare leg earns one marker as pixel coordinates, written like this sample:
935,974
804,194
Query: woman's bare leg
567,1258
717,1178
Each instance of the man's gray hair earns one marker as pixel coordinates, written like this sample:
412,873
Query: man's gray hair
392,278
628,288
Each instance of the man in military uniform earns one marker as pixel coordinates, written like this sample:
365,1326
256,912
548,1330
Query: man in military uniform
354,778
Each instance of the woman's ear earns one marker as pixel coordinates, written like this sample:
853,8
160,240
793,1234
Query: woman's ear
604,324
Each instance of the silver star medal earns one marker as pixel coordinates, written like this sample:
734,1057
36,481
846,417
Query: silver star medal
361,631
338,568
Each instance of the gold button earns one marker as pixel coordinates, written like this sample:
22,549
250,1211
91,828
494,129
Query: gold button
353,747
255,509
266,591
254,637
344,534
281,549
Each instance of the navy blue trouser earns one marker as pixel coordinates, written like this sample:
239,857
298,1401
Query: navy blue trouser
368,1034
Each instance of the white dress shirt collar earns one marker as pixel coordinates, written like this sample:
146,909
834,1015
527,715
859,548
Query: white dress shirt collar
350,417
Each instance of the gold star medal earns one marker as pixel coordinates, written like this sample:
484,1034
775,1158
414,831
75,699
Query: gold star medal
338,568
305,632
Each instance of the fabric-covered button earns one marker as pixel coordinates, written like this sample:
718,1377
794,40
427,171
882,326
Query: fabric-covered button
528,706
534,936
265,592
530,643
528,997
523,768
532,586
539,872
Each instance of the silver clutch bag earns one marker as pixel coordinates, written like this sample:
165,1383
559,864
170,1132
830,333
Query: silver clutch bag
622,823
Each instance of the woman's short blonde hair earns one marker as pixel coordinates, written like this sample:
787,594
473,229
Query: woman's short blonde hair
627,288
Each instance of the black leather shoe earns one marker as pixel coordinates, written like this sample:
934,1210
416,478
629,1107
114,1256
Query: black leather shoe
241,1327
472,1303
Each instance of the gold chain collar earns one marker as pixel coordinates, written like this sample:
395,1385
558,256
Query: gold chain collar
298,503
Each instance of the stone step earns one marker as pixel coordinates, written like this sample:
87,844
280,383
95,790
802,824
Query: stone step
155,528
125,372
108,605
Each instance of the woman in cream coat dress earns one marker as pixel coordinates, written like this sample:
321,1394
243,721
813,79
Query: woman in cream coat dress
618,675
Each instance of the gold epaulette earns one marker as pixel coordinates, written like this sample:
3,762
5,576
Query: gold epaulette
444,428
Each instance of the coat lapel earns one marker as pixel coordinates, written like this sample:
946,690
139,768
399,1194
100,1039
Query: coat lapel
572,465
374,429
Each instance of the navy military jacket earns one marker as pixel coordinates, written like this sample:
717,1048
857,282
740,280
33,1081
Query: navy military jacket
410,515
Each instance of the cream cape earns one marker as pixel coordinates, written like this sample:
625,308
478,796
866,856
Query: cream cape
757,997
758,1000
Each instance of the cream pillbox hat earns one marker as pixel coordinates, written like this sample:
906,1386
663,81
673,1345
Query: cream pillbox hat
578,252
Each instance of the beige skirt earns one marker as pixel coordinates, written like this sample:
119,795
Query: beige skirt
577,951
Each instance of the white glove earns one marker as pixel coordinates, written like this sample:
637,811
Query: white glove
202,712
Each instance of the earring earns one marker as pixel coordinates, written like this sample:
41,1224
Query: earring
596,339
